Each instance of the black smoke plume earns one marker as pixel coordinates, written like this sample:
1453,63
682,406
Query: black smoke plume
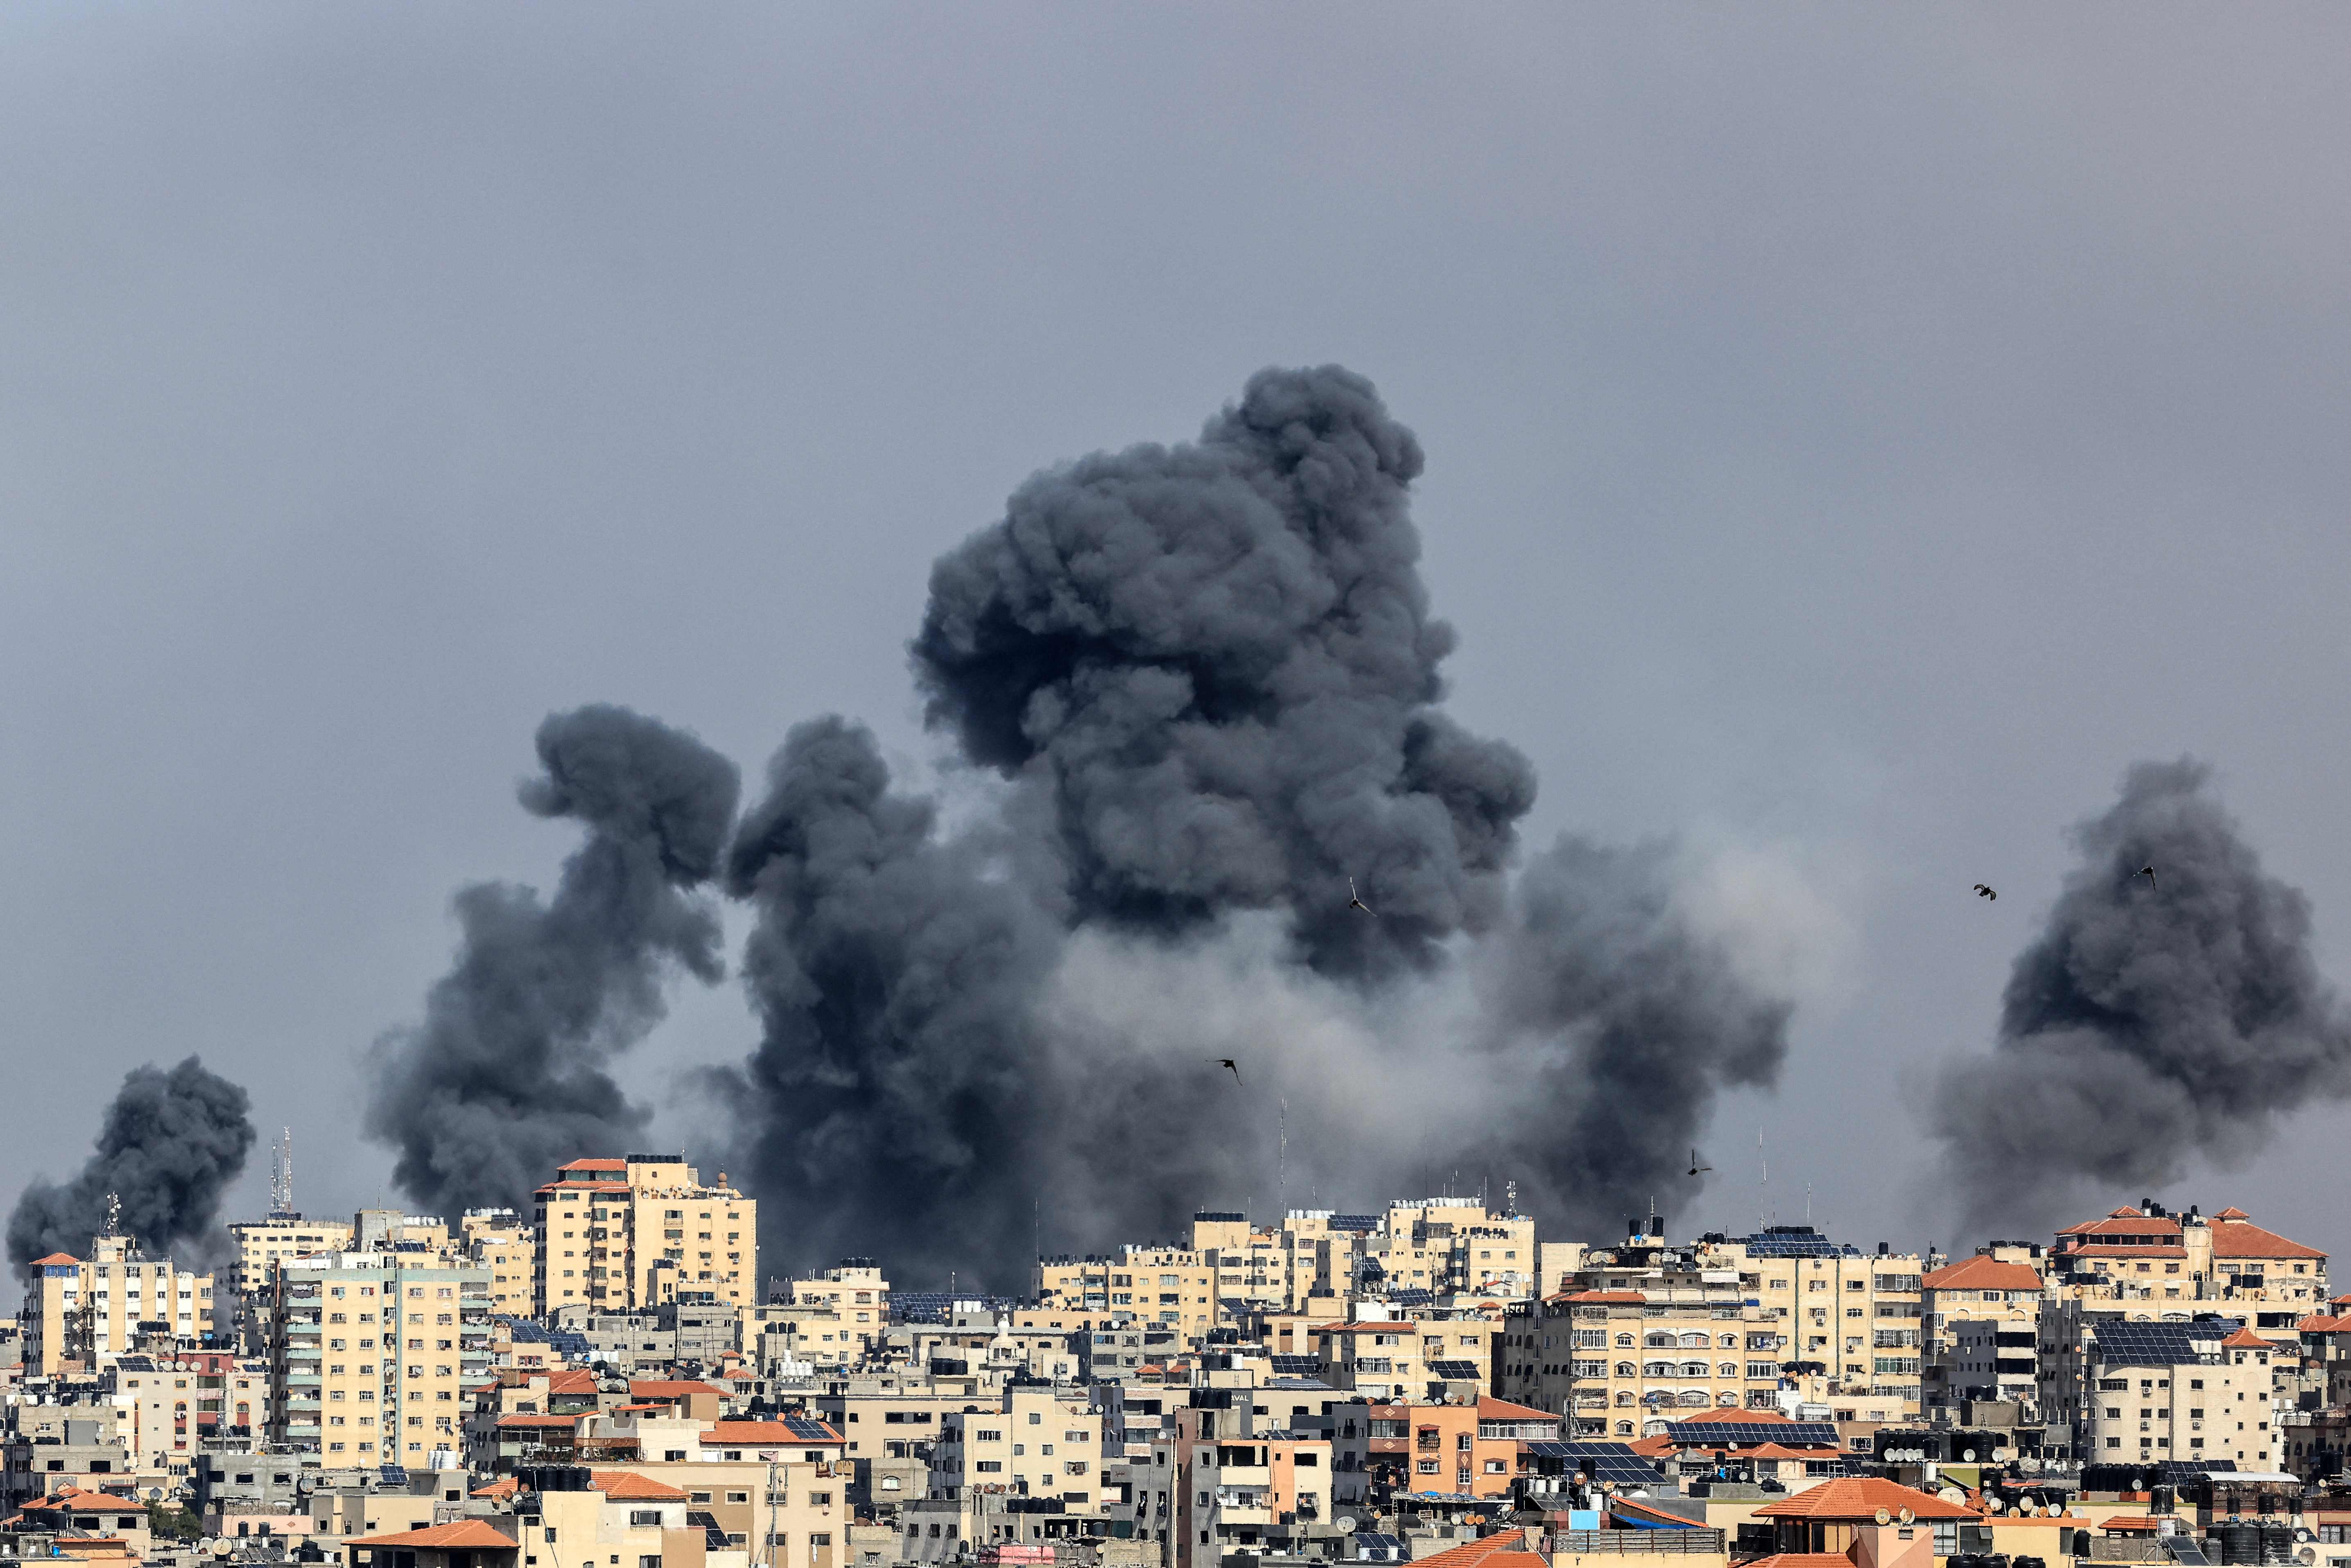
898,1095
1219,659
1209,674
507,1078
1617,1022
170,1145
2157,1020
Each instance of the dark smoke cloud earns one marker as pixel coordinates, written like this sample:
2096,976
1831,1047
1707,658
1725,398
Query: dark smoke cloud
897,1097
1219,660
1210,674
2150,1025
506,1077
170,1145
1623,1022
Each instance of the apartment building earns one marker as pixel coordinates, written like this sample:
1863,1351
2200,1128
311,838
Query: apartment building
1855,1316
1385,1448
1169,1287
1623,1364
1037,1444
501,1243
1418,1357
1231,1487
88,1311
2190,1392
259,1244
855,1292
2150,1254
1450,1246
1249,1267
370,1353
618,1235
179,1402
1982,1327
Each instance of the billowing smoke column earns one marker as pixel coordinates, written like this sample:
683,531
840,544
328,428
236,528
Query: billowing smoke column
507,1078
1209,674
1623,1022
1218,658
896,1099
170,1144
2156,1021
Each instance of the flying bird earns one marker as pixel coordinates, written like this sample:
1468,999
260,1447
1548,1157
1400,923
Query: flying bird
1226,1061
1695,1166
1353,902
2147,872
1984,892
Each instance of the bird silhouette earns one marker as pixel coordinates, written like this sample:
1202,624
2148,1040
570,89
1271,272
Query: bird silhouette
1984,892
1695,1166
2147,872
1226,1061
1353,902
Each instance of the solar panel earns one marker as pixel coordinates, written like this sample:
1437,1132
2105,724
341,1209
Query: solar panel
1296,1365
1609,1461
1354,1222
1371,1538
1455,1371
1717,1434
2158,1344
807,1430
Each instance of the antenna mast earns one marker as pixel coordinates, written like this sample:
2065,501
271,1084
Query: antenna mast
281,1177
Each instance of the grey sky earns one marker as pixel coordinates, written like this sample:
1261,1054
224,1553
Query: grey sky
1854,437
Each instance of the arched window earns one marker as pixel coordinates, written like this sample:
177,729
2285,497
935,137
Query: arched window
1695,1396
1729,1342
1625,1396
1728,1369
1693,1369
1695,1342
1625,1340
1627,1369
1659,1340
1726,1398
1624,1428
1657,1369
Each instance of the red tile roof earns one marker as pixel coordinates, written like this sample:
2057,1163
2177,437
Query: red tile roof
1506,1550
758,1435
76,1501
571,1380
53,1257
1744,1417
505,1486
538,1420
462,1535
1492,1409
2246,1339
627,1486
2232,1212
1860,1497
1802,1560
1601,1298
2235,1238
2319,1322
595,1165
1982,1273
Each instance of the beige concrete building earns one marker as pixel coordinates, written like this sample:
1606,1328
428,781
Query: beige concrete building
1409,1358
1037,1444
371,1354
259,1244
1450,1245
2152,1255
176,1402
1982,1321
856,1294
2191,1392
501,1243
1623,1364
1168,1287
1858,1316
617,1235
89,1310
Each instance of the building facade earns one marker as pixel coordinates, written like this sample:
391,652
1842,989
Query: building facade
620,1235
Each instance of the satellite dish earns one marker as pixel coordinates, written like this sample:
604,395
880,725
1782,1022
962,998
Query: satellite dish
220,1548
2029,1508
2305,1556
1884,1517
1952,1494
1994,1505
1968,1457
1346,1525
1905,1516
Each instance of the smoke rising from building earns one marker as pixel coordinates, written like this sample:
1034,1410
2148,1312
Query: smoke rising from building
1208,674
896,1099
2154,1022
1219,661
506,1077
169,1146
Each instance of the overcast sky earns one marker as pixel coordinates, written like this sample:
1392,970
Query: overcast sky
1854,434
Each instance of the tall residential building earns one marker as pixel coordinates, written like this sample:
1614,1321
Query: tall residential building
260,1243
2150,1254
617,1235
1857,1316
92,1309
1982,1326
370,1352
1166,1286
502,1242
